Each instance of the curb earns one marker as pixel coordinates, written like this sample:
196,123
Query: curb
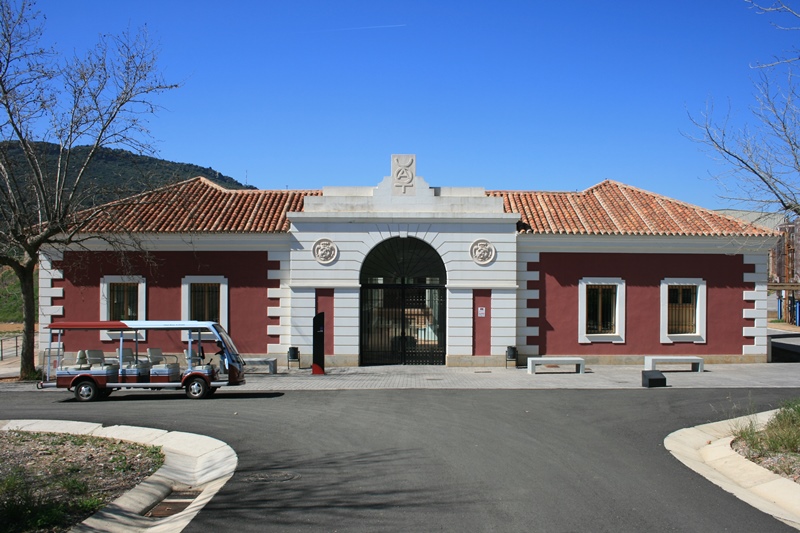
191,461
706,449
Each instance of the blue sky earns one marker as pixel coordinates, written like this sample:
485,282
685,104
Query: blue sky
531,95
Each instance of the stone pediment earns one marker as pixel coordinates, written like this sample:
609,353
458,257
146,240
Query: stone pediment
404,192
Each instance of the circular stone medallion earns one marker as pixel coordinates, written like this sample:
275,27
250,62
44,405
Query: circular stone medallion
482,252
325,251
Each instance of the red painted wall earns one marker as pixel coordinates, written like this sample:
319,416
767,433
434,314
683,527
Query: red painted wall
558,302
324,303
482,325
246,273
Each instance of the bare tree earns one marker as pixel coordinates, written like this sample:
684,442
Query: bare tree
101,98
763,156
784,10
763,159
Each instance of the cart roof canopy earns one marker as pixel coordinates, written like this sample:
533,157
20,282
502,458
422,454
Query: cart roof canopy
123,325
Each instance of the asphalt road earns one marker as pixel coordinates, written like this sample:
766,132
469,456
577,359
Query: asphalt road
445,460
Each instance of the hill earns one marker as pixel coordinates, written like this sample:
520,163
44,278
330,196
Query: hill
118,172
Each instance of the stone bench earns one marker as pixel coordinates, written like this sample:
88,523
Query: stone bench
271,364
556,360
650,361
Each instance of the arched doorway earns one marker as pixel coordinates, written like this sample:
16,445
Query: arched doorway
403,304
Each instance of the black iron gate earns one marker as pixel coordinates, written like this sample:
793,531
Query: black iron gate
403,305
402,325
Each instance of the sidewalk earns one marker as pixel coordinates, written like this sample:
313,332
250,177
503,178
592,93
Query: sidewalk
766,375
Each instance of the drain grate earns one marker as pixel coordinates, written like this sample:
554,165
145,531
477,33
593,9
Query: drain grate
176,502
271,477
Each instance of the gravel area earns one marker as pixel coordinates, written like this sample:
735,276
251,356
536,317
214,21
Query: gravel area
784,464
74,474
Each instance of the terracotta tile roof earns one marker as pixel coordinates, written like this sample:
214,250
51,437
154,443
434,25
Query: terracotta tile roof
612,208
609,208
201,206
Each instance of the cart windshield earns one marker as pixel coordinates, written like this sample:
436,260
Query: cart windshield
226,339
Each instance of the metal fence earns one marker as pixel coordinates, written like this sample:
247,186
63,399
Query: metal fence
10,346
794,311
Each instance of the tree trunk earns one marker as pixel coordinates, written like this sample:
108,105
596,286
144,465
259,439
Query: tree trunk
27,360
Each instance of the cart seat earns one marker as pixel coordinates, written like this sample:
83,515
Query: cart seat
159,361
129,360
81,362
97,360
197,363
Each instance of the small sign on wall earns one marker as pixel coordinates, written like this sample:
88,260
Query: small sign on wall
481,312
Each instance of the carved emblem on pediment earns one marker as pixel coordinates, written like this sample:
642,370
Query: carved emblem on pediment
325,251
404,170
482,252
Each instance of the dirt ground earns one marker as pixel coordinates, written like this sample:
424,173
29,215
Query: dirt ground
12,327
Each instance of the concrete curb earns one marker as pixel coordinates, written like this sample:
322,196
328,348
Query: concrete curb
706,449
191,461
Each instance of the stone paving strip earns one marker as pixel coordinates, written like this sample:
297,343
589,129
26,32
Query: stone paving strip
191,461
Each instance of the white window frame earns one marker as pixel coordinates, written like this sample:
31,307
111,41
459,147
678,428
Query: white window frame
699,337
619,320
105,311
186,283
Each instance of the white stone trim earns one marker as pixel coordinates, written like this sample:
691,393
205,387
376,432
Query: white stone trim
186,282
46,294
105,313
758,313
699,336
523,311
619,320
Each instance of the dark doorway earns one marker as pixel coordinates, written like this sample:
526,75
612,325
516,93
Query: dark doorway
403,304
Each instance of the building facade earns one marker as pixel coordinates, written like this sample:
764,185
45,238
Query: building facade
408,273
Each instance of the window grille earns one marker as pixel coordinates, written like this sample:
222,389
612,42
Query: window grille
204,302
601,309
123,301
682,309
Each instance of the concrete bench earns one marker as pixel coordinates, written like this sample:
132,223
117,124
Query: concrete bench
650,361
254,362
556,360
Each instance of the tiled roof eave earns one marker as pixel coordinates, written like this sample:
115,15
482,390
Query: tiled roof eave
530,231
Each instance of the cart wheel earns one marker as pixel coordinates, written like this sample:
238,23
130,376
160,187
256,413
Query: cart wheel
197,389
86,391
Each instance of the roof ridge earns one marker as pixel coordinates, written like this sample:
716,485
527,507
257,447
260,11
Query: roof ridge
667,207
547,215
571,200
607,210
638,211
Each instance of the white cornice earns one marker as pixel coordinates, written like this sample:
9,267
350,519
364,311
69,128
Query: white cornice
643,244
382,218
195,242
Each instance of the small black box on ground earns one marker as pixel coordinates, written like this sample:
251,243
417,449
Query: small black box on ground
653,378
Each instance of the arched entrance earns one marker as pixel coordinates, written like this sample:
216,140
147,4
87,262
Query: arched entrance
403,304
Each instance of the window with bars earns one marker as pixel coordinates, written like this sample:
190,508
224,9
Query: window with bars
682,309
204,302
601,309
123,301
